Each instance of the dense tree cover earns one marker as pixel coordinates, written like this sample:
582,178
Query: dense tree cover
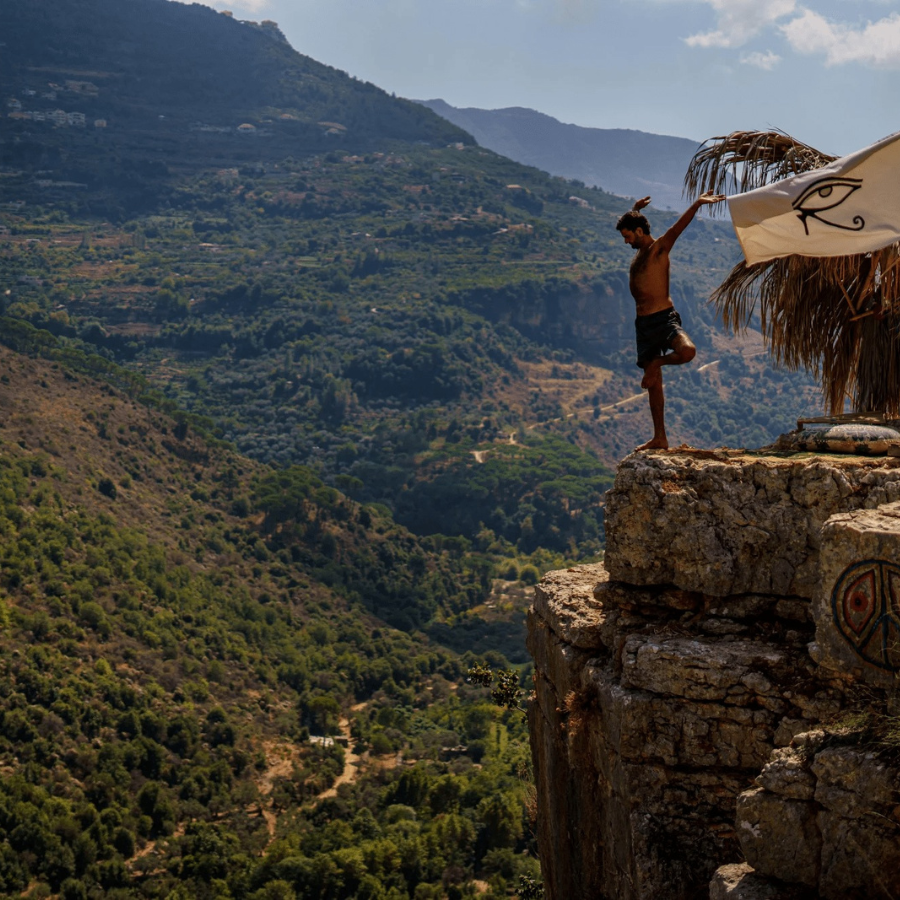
323,362
362,555
157,675
543,492
379,317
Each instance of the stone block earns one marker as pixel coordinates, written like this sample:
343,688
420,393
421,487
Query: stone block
557,661
701,668
860,858
853,783
729,523
780,837
857,607
565,601
677,732
787,773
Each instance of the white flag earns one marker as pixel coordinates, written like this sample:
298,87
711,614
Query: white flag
849,206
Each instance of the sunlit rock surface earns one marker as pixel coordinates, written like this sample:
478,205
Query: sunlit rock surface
676,694
727,523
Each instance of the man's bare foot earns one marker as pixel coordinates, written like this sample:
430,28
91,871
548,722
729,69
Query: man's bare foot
652,377
654,444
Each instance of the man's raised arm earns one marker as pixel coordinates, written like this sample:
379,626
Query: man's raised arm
667,241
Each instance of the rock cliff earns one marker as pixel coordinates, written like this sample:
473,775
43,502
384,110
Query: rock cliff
706,700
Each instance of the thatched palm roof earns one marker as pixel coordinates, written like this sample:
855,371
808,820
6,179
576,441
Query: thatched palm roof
839,317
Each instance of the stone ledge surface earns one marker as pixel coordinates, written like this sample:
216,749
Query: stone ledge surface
565,601
733,523
701,668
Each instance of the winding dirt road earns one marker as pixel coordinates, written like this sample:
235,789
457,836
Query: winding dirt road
351,759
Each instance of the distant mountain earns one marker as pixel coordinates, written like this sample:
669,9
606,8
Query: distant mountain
621,161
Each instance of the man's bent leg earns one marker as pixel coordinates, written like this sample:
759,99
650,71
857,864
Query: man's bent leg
659,441
683,351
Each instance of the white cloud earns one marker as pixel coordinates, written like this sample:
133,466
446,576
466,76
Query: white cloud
767,60
740,20
877,44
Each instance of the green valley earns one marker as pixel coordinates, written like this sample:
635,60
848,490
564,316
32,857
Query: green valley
170,646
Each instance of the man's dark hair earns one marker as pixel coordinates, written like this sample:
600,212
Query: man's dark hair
632,221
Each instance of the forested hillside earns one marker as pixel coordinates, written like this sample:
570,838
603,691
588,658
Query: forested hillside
366,312
176,622
369,312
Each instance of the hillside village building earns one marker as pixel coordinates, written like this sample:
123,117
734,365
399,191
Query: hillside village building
59,117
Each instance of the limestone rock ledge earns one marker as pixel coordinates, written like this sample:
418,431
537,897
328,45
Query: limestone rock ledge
729,523
650,720
675,691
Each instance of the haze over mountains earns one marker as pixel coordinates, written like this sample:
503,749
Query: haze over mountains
624,162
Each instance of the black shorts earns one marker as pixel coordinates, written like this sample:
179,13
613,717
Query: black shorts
655,334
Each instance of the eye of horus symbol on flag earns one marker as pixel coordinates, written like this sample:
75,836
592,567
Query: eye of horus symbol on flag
825,195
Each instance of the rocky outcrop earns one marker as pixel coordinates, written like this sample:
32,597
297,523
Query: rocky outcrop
727,523
738,881
676,696
827,817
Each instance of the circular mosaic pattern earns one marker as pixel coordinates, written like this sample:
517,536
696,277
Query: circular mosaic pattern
866,607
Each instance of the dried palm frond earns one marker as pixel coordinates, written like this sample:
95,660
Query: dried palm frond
744,160
838,317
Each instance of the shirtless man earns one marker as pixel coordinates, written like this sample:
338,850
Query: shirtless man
658,325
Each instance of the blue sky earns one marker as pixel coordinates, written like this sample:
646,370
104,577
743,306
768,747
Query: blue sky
827,71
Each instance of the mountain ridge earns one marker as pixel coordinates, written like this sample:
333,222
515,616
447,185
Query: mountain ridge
163,79
626,162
